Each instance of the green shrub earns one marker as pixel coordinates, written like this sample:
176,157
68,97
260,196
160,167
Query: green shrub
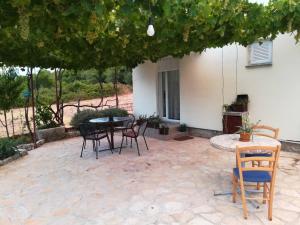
7,148
114,112
84,116
44,117
87,114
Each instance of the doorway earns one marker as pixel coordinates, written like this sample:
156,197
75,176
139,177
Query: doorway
169,95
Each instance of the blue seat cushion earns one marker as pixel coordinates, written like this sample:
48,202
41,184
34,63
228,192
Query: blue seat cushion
258,155
253,176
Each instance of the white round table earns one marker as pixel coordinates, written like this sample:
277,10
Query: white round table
229,142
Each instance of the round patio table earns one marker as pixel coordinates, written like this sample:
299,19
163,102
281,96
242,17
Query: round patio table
111,123
229,142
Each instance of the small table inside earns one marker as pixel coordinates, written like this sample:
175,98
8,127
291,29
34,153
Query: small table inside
111,123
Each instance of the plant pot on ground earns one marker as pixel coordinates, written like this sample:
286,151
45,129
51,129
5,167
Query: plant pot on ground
153,121
164,130
182,127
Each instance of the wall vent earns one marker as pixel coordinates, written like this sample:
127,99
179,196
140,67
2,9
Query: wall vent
260,53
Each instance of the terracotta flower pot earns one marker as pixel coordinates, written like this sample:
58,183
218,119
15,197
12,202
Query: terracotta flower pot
245,137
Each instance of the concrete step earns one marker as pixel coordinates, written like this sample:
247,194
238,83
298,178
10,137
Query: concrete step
173,132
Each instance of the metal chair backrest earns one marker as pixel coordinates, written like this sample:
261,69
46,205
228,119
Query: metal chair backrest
142,128
86,129
129,123
263,130
267,163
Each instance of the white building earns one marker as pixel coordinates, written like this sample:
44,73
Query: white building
198,85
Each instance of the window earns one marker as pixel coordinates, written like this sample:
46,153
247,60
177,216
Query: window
260,53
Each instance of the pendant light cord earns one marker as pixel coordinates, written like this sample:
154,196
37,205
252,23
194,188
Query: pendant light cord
223,81
236,69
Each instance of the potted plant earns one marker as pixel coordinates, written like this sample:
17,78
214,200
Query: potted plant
154,121
226,108
246,129
141,119
163,129
182,127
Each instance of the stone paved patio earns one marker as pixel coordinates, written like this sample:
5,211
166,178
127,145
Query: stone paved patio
173,183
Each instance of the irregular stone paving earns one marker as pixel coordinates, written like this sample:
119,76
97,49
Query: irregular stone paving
173,183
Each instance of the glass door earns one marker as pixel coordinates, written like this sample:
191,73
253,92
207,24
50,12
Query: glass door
169,95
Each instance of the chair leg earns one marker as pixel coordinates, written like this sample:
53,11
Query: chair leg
243,199
126,141
130,142
270,206
137,145
121,145
96,149
145,142
83,146
234,186
110,146
265,193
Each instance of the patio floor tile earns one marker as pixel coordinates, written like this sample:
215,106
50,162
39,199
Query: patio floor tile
172,183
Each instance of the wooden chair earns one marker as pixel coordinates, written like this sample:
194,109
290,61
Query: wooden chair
265,131
261,130
264,173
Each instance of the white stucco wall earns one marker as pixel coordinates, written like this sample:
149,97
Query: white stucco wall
144,79
274,91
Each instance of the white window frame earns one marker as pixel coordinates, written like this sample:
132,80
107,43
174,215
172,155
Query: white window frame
160,104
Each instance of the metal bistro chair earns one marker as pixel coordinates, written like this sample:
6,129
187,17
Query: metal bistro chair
93,132
128,124
134,133
264,173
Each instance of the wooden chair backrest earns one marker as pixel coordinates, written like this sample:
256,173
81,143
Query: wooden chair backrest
271,160
259,131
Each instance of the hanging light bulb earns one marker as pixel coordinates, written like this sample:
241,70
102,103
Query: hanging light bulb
150,30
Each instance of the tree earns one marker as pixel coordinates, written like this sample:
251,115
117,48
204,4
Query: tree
88,34
10,90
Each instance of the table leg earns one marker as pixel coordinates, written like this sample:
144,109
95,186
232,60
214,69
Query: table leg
112,137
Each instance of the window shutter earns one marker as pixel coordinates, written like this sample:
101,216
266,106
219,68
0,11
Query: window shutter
260,53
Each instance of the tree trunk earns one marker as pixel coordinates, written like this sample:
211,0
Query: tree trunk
100,81
6,125
116,88
12,122
58,95
33,108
